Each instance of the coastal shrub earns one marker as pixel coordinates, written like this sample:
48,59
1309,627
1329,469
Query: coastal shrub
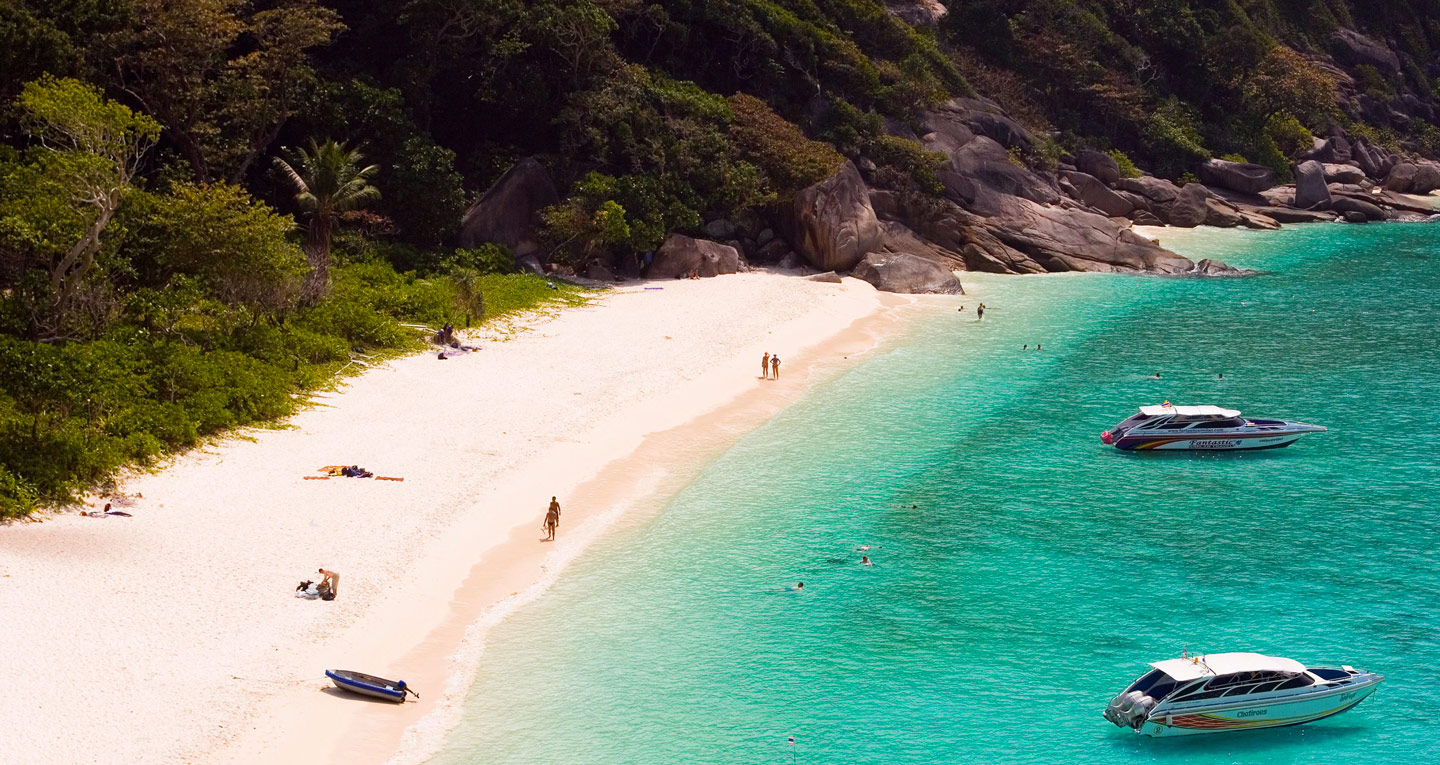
1127,167
487,258
1290,137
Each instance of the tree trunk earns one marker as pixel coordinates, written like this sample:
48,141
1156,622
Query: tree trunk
317,254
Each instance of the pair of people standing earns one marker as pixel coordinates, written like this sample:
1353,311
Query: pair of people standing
552,520
769,367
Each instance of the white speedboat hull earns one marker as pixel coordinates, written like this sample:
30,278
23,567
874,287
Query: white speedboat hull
1218,442
1258,713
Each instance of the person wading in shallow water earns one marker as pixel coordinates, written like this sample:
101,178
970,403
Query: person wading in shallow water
980,313
552,519
765,366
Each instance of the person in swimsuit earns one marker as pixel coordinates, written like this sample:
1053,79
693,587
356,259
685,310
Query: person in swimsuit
552,519
775,367
980,313
765,366
330,582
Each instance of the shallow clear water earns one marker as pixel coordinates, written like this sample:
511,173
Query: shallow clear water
1024,573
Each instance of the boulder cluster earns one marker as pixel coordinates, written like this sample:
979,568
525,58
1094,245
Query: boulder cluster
995,213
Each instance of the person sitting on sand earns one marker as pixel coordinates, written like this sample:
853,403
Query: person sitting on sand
765,366
775,367
329,585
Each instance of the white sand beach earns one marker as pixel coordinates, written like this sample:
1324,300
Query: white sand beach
173,635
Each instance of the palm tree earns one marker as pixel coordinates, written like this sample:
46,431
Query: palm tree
329,181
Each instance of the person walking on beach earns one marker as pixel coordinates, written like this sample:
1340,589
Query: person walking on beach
329,585
552,519
980,313
775,367
765,366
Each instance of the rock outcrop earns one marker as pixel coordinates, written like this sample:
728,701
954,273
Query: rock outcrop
1354,49
1413,178
832,223
682,256
1237,176
1157,190
906,273
1311,191
1343,173
1100,165
509,212
1190,208
1091,191
917,12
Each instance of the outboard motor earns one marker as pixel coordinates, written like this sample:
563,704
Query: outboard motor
1130,710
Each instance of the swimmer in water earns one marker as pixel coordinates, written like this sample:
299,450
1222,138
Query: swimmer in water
1157,375
1025,347
1221,376
799,586
865,560
862,548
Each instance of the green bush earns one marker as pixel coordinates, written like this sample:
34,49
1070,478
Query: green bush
1127,167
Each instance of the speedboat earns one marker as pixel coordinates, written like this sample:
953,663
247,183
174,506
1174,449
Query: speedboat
1207,428
369,685
1236,691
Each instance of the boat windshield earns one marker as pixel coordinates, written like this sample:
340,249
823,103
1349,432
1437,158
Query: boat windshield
1243,683
1155,684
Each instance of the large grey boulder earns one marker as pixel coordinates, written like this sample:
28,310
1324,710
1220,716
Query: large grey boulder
1333,150
1154,189
897,237
1090,191
1343,173
509,212
1190,208
832,223
981,169
1346,205
1287,215
682,256
1058,239
1098,164
981,117
917,12
1311,191
906,273
1237,176
1413,178
1353,49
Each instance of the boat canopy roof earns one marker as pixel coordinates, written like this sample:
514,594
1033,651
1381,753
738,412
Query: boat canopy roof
1188,411
1226,664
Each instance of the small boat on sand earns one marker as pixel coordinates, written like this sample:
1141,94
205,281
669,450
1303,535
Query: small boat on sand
369,685
1204,428
1236,691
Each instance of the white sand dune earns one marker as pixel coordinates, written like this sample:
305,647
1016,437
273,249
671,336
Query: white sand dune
173,635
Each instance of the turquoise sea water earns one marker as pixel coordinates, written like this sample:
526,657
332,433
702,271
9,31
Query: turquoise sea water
1024,573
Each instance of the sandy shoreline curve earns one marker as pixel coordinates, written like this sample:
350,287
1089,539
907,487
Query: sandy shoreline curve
173,636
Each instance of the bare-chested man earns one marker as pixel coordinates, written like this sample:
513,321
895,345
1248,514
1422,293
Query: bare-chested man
330,582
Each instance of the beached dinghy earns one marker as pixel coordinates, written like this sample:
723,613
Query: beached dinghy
369,685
